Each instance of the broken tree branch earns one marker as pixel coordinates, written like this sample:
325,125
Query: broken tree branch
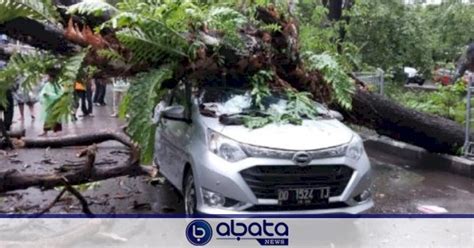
90,152
77,140
15,180
78,195
58,197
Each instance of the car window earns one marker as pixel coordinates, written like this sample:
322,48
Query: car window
236,101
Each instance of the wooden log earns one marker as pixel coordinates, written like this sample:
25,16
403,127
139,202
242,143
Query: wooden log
77,140
15,180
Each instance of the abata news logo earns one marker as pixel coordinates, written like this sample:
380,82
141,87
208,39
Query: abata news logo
266,233
199,232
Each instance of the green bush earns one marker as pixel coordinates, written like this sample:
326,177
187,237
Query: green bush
447,101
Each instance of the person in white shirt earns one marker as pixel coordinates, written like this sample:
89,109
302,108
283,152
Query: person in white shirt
120,87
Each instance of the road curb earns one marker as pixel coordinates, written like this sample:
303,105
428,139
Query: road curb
383,148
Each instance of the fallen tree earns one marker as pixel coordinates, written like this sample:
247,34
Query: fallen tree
223,48
274,50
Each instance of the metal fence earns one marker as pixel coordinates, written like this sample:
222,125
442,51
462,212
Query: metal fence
372,77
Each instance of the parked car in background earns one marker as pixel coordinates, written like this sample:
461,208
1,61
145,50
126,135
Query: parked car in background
317,167
445,76
413,76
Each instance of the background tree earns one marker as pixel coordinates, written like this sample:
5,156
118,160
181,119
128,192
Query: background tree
390,35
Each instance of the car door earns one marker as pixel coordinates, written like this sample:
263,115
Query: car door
173,137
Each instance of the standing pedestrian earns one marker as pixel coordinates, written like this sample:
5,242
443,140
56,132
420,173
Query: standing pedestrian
89,92
8,110
24,97
120,86
50,92
8,107
81,97
100,90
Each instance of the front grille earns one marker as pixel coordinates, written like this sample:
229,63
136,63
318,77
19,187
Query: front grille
269,208
265,180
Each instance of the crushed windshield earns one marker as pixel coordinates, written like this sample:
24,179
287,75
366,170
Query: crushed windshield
234,102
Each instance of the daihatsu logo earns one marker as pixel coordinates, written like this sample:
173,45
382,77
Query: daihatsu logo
302,158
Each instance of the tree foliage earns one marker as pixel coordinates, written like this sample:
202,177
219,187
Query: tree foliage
391,34
451,28
36,9
249,44
447,101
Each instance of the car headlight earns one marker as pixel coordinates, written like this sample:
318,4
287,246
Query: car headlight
224,147
355,149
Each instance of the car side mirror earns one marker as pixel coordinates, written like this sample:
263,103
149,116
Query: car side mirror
158,111
336,115
175,112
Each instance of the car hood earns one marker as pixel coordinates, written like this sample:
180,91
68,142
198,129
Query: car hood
311,135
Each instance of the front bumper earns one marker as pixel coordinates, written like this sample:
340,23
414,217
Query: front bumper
357,209
217,175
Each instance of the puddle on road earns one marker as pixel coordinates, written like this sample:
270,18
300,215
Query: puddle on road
402,189
397,175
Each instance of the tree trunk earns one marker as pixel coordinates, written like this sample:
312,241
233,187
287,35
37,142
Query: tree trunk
434,133
335,9
37,34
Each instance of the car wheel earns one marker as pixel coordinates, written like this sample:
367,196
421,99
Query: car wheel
189,194
421,82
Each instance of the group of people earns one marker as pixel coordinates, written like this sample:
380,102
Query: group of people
92,92
87,93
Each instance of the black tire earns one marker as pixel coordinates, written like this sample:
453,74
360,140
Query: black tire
189,194
420,81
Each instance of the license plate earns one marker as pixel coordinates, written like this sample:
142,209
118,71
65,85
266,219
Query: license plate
303,196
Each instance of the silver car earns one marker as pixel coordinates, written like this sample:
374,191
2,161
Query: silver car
222,167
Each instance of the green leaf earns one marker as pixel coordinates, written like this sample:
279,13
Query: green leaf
300,105
254,122
27,67
92,7
342,85
152,40
34,9
144,94
260,88
70,70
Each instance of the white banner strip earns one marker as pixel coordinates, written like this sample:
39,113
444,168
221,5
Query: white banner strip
223,232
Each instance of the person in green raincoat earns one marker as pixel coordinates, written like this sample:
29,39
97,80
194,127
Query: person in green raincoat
50,93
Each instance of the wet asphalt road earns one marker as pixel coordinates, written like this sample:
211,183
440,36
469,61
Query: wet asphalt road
398,187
